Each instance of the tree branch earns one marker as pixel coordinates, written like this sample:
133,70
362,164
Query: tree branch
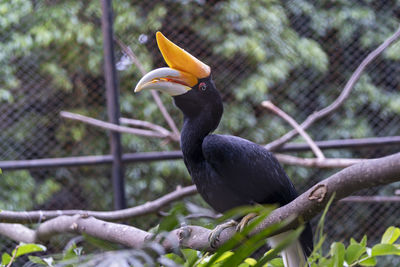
111,126
145,124
363,175
317,163
296,126
147,208
13,256
342,97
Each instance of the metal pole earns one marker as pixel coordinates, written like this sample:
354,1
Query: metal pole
393,141
112,103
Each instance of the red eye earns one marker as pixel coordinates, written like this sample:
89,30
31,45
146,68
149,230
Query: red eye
202,86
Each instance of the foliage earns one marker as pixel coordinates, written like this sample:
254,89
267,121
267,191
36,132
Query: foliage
19,195
237,251
20,250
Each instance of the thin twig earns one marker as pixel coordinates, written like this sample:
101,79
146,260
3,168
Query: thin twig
371,199
147,208
13,256
144,124
128,51
296,126
342,97
317,163
165,113
111,126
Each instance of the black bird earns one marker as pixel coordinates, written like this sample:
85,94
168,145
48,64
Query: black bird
228,171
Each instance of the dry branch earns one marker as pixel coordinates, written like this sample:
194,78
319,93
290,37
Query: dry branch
296,126
359,176
111,126
342,97
147,208
317,163
144,124
370,199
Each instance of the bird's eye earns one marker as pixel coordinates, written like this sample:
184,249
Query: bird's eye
202,86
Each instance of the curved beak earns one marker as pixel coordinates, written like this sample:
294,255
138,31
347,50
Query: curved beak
183,73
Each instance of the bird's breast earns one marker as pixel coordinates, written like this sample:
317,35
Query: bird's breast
214,189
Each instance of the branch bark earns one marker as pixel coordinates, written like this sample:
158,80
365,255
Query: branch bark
114,127
342,97
359,176
147,208
145,124
317,163
296,126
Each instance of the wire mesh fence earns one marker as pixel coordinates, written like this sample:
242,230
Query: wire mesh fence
297,54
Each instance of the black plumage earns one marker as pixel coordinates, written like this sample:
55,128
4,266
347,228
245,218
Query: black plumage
229,171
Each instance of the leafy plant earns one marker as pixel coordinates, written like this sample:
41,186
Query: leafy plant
19,250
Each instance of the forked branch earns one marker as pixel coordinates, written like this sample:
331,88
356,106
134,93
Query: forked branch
342,97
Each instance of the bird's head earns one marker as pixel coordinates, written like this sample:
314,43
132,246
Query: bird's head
187,79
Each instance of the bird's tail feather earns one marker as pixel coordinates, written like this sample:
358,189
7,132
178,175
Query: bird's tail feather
293,255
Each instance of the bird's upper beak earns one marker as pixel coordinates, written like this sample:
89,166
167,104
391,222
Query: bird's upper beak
183,73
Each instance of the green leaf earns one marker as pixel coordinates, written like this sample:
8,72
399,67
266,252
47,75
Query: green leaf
37,260
247,245
363,241
70,253
277,262
171,221
391,235
369,261
99,243
5,258
354,252
28,248
250,261
224,256
244,210
385,249
320,227
20,250
289,239
337,252
190,256
176,258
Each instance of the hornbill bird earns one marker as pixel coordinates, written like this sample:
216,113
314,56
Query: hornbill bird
228,171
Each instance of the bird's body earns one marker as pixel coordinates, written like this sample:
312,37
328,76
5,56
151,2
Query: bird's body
228,171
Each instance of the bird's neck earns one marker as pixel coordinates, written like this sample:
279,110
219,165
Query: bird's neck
194,130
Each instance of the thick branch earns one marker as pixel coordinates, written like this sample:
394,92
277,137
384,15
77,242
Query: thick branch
78,224
359,176
342,97
147,208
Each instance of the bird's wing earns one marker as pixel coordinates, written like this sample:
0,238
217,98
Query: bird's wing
248,169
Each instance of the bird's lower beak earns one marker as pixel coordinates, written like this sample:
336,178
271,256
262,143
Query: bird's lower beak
167,80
